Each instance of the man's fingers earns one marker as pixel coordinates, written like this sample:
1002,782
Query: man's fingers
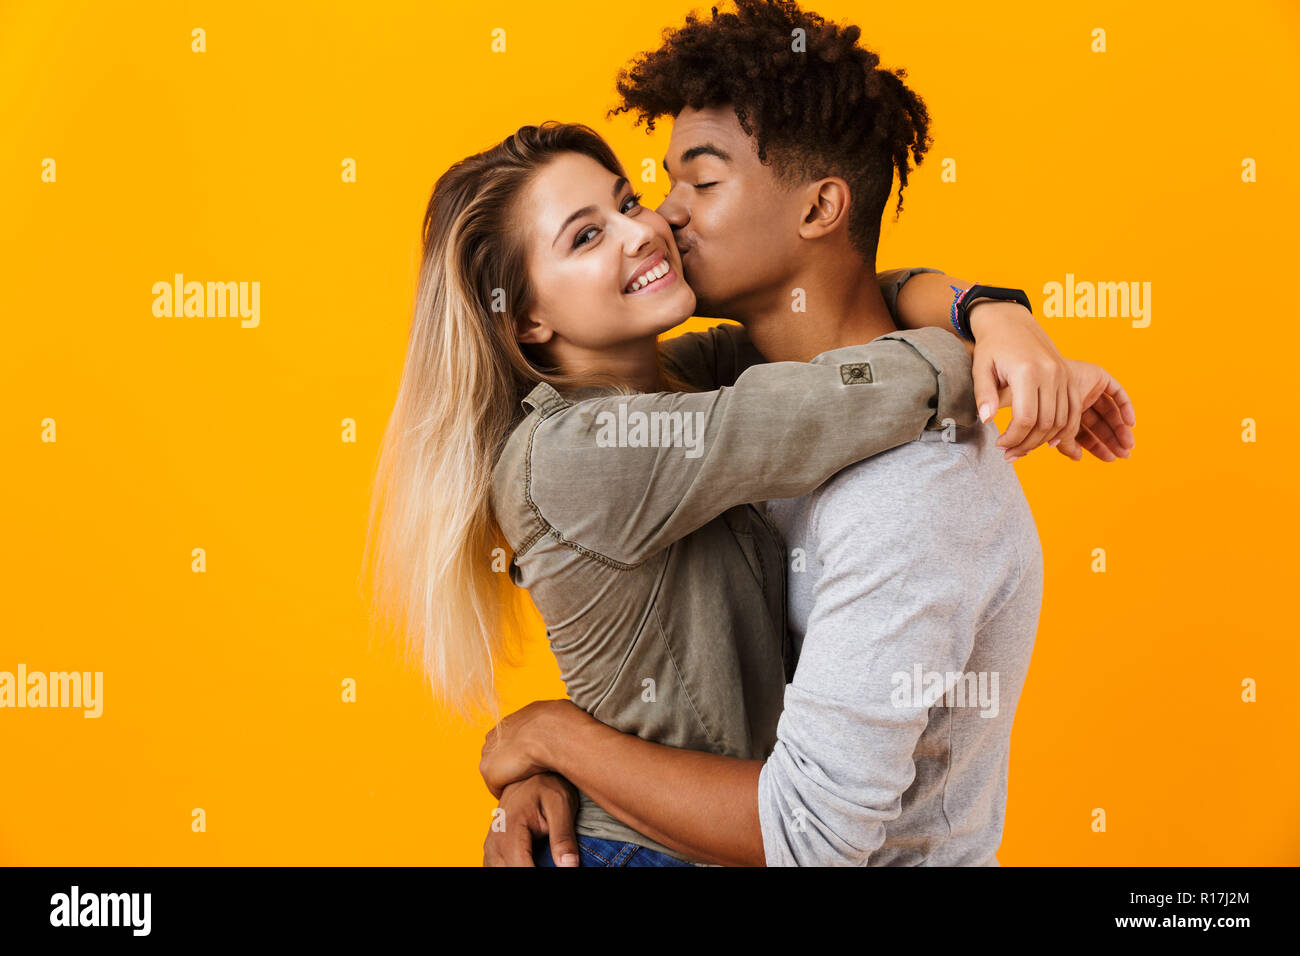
518,843
495,847
558,811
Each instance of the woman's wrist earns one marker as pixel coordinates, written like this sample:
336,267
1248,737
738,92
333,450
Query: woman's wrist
988,314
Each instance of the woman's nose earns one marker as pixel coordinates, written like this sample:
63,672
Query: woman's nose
639,234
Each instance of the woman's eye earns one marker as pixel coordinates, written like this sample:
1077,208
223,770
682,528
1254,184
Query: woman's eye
705,185
588,235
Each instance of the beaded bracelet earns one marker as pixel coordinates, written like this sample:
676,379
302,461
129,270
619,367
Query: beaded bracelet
952,314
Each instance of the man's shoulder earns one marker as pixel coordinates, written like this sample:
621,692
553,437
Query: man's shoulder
923,459
937,484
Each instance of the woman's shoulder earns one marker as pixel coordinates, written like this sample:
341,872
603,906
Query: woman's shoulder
514,446
509,486
517,456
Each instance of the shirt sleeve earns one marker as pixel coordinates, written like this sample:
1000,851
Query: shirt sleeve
892,281
894,593
718,355
780,431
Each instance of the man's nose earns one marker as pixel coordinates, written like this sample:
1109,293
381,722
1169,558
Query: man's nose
674,210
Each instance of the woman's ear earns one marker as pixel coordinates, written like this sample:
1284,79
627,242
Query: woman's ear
533,333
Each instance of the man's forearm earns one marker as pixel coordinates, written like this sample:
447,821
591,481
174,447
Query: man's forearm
699,804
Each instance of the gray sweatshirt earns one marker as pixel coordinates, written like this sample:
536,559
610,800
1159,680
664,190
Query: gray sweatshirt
915,583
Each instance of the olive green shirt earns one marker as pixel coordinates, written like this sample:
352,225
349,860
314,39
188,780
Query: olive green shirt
634,530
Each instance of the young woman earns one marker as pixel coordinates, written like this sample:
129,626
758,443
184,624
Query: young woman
539,417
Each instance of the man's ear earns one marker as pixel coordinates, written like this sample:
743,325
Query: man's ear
533,333
826,207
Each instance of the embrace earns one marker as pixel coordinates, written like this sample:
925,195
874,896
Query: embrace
785,565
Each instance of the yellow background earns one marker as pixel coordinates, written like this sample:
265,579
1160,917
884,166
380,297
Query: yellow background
222,690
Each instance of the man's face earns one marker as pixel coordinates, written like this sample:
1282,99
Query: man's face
736,225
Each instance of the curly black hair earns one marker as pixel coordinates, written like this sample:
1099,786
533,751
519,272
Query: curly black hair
818,103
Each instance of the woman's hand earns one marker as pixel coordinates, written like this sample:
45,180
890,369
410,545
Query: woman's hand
1075,406
1016,363
1106,415
515,748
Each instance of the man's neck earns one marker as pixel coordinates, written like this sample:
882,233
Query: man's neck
842,304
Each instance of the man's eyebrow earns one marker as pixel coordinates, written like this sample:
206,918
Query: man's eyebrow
587,210
704,149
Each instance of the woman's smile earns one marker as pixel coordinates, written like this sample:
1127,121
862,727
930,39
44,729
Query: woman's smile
652,275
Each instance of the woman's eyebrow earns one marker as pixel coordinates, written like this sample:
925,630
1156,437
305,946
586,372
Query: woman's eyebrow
587,210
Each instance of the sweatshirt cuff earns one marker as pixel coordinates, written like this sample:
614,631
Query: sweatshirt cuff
951,362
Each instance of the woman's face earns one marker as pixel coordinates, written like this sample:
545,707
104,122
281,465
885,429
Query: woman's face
604,269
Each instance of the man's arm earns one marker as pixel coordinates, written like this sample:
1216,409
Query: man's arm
542,805
700,804
895,593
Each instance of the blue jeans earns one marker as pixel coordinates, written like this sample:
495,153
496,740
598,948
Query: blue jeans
593,851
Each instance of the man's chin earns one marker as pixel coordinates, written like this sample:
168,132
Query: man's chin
705,308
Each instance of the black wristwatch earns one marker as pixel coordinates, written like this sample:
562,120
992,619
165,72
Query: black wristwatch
985,292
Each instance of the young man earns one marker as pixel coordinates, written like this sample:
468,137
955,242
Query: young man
915,576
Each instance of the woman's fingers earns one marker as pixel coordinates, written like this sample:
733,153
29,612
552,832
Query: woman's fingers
1098,425
1047,407
1033,422
985,379
1122,402
1024,413
1092,443
1109,409
1027,412
1070,448
1066,400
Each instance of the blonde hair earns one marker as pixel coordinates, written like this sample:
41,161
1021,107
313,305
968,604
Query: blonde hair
431,533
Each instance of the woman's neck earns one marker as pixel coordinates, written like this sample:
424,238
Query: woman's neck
635,362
